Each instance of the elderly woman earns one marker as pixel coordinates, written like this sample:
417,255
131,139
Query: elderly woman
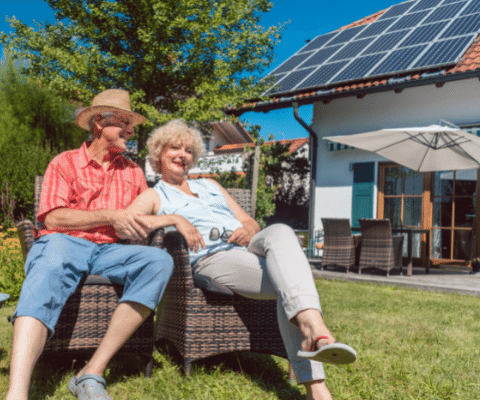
226,244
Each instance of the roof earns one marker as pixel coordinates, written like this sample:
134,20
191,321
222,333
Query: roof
467,67
233,132
293,145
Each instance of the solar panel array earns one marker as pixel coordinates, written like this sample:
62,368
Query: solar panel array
409,36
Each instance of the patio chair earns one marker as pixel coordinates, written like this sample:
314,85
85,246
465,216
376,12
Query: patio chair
87,313
339,244
202,318
380,249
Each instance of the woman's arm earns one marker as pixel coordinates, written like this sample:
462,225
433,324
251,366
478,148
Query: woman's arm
241,236
145,208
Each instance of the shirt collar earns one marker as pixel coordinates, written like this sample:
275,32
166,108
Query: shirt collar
84,158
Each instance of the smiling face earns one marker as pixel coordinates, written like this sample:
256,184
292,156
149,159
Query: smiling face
177,159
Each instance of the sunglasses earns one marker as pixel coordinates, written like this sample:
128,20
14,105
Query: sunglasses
215,234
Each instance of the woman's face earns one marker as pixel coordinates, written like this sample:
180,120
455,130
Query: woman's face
177,158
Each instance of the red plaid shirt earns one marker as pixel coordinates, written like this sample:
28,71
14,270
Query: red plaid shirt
73,180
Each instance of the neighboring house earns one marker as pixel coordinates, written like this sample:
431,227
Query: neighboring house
413,64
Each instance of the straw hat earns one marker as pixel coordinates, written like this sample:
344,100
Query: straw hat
108,101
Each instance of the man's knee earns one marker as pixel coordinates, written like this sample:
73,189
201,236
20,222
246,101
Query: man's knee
160,260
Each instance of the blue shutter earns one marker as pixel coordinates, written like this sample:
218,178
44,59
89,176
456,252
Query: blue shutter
362,193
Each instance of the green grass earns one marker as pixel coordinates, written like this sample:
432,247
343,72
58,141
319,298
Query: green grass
411,345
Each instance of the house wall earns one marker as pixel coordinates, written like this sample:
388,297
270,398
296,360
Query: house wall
457,102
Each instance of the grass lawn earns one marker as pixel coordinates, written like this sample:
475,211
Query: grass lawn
411,345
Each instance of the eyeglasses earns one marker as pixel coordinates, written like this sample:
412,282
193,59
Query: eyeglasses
215,234
119,121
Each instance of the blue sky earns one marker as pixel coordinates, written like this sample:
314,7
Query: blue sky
307,19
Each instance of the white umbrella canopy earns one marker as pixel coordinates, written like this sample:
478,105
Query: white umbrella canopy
430,148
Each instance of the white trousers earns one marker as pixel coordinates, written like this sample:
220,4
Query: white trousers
274,267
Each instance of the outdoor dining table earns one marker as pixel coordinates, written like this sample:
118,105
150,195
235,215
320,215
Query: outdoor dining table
410,232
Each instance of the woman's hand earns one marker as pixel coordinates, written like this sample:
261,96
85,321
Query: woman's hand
240,236
190,233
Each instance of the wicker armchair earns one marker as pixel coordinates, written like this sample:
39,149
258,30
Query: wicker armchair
380,249
202,318
87,313
339,244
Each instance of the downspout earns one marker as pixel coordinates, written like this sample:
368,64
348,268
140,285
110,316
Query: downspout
313,170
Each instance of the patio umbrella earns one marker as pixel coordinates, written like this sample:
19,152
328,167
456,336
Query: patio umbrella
430,148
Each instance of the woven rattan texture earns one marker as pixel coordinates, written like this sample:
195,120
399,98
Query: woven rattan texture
380,249
339,246
203,324
87,313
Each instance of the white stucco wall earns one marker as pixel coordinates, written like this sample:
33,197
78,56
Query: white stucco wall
457,102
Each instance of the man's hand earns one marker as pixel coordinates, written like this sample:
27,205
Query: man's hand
240,236
127,226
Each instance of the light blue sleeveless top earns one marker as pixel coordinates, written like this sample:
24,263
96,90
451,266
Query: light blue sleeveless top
209,210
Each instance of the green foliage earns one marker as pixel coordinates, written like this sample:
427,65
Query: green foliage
12,273
177,58
35,125
7,205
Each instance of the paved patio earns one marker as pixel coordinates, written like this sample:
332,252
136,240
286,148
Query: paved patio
439,279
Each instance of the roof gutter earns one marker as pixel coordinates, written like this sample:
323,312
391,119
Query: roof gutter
313,169
331,94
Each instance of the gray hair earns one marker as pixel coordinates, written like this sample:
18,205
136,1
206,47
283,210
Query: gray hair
170,133
91,121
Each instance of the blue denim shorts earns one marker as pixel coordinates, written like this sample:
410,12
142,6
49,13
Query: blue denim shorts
57,263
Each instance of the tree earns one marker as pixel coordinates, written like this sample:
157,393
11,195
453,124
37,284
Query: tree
35,125
178,58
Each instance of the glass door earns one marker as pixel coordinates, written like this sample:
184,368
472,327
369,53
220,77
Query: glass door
453,214
401,202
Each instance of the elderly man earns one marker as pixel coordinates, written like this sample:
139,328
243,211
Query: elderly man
84,196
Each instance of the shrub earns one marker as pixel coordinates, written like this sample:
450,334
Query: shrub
12,273
35,125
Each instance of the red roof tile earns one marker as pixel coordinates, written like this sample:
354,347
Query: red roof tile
294,144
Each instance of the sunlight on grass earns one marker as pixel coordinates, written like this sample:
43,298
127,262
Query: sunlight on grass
411,345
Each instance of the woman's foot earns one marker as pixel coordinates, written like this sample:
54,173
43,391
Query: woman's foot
326,350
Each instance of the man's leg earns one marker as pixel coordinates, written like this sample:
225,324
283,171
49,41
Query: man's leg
54,267
144,272
126,319
29,337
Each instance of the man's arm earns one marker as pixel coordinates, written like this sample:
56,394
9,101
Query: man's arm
123,221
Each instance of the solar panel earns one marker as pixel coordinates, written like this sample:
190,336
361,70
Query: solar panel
423,34
442,52
323,74
359,67
386,42
398,60
425,4
291,63
472,8
376,28
396,10
409,21
291,80
346,35
414,35
462,26
352,49
318,42
445,12
321,56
